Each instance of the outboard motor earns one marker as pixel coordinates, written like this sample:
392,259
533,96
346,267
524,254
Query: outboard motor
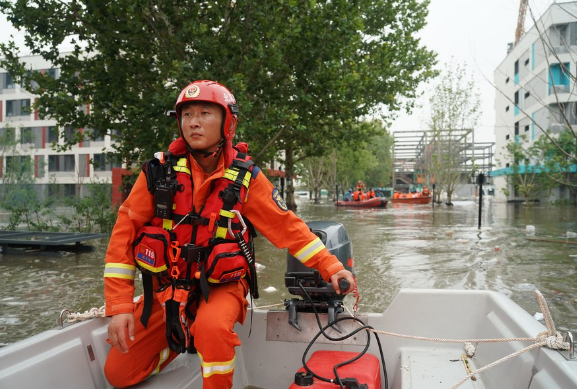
300,278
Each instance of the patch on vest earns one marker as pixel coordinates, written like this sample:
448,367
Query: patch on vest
233,275
145,254
279,200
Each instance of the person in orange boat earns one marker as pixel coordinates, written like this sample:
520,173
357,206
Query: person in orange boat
425,192
189,208
370,194
358,195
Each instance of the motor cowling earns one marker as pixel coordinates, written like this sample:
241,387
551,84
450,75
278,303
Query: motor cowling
336,239
316,294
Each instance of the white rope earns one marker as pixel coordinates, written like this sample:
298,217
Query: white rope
90,314
487,367
550,338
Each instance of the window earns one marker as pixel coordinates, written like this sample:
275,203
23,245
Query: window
40,166
517,128
507,137
26,135
69,190
559,78
31,135
61,163
103,163
19,165
516,72
507,165
52,73
7,136
507,80
61,191
6,81
507,109
527,62
527,128
527,94
69,133
52,134
17,107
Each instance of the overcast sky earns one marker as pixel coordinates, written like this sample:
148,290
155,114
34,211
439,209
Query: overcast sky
472,32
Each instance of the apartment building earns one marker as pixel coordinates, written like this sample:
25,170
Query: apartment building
536,90
25,137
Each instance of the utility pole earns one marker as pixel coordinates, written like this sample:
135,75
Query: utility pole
480,181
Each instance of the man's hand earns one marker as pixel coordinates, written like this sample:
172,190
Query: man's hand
347,275
117,330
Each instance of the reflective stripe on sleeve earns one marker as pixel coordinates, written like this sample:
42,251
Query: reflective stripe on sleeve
210,368
309,250
119,270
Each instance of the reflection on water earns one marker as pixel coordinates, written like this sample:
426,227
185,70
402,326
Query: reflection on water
402,246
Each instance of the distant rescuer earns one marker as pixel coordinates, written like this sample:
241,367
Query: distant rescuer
186,226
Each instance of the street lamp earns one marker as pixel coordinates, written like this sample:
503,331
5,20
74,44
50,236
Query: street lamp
481,178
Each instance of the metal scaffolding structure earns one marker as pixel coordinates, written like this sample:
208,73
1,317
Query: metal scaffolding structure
412,150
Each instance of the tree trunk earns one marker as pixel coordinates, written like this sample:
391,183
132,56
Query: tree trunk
290,189
317,192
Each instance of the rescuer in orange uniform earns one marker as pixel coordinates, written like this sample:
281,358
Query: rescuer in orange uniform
199,298
359,195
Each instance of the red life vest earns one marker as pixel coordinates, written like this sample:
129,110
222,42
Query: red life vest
188,249
358,195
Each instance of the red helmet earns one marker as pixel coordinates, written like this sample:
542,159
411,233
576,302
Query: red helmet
213,92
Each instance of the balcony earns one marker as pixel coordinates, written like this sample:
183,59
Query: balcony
559,89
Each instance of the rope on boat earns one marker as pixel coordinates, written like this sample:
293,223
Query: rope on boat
550,338
90,314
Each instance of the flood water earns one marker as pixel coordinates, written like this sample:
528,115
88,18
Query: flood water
402,246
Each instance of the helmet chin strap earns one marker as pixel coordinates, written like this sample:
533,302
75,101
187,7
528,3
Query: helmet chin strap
206,154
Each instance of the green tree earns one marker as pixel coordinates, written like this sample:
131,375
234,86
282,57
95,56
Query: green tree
302,71
455,112
369,160
19,193
524,175
381,146
559,160
92,212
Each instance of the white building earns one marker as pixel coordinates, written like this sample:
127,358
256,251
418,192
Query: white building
534,85
25,135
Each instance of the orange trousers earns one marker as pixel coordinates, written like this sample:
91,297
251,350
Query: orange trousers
214,340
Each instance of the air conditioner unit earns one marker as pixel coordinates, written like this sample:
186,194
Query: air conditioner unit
560,49
556,127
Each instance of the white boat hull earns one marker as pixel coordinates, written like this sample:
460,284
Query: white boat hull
271,356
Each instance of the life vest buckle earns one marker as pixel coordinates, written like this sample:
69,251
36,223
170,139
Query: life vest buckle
211,222
174,254
240,219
